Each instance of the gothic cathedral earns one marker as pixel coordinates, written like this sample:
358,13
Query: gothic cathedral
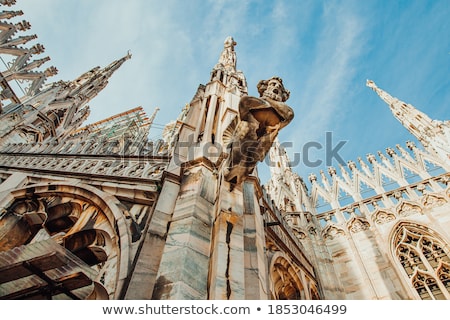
101,212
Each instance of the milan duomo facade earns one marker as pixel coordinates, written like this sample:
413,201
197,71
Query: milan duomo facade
101,212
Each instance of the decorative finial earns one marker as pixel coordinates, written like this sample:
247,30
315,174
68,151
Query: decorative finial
411,145
390,151
351,164
371,84
371,158
8,3
383,94
332,171
312,177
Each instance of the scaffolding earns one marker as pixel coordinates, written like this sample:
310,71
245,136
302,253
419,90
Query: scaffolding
133,123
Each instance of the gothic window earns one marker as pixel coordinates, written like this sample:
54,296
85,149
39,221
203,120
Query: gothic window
425,259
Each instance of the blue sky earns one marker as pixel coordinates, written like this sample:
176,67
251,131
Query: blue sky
323,50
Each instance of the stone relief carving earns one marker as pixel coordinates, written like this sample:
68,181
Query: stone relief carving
358,225
406,208
432,200
382,216
126,168
331,232
298,232
260,120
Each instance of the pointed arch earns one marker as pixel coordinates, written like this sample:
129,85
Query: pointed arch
410,174
433,167
285,281
88,223
423,256
366,188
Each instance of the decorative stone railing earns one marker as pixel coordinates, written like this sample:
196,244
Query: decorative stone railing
413,199
150,168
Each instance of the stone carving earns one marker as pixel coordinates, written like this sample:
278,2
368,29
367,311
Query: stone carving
299,234
68,222
433,200
406,208
142,168
381,216
260,120
358,224
228,56
331,232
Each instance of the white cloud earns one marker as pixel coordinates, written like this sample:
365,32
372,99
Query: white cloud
339,44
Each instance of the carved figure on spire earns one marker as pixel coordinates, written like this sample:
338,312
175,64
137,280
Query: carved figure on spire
383,94
228,56
260,120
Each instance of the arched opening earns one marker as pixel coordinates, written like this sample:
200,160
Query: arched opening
286,284
60,242
425,258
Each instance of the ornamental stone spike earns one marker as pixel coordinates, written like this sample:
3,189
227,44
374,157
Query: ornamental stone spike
8,3
432,134
383,94
10,14
404,153
345,174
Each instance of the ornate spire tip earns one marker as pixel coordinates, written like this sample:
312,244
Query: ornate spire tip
371,84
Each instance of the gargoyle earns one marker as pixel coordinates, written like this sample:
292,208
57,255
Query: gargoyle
260,120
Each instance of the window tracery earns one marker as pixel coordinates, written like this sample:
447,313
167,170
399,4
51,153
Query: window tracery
425,259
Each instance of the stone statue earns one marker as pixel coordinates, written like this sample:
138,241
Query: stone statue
260,120
228,56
